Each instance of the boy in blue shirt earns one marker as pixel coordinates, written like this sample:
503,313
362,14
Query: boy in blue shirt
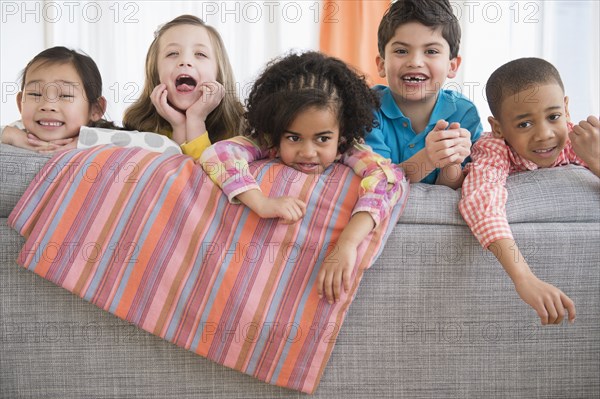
425,129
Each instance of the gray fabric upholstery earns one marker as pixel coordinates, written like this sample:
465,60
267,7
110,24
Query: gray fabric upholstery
434,317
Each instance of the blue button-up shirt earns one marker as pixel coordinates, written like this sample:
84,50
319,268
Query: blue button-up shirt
395,137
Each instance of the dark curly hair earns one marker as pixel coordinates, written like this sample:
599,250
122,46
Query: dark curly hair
295,82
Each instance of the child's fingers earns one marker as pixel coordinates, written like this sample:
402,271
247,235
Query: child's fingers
441,125
540,308
569,306
454,125
594,121
328,287
559,310
319,282
582,127
61,142
156,93
337,286
346,277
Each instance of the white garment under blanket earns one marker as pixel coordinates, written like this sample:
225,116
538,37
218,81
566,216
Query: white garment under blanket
92,136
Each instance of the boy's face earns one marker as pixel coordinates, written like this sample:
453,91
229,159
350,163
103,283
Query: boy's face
416,64
534,123
53,104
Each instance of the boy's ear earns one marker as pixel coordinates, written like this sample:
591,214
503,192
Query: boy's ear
98,109
380,61
496,128
454,64
19,99
567,108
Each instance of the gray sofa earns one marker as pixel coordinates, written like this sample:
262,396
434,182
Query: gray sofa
435,316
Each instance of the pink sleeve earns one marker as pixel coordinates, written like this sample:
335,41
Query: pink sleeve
226,163
383,183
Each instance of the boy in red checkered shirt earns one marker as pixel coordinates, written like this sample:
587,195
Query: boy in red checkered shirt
530,130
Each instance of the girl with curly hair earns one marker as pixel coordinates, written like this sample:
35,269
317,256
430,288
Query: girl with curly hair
310,110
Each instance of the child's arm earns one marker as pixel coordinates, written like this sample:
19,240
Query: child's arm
383,184
585,139
336,271
483,206
176,119
226,163
20,138
549,302
287,208
212,95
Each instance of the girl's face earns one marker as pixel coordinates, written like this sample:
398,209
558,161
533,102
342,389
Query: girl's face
53,104
310,143
186,59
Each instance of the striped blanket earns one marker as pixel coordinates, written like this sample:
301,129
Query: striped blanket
149,238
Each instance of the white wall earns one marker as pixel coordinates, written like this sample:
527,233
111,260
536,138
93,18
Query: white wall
116,34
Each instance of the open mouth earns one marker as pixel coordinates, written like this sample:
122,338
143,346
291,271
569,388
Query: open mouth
414,78
50,123
544,150
185,83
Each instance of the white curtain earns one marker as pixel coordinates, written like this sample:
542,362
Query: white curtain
116,34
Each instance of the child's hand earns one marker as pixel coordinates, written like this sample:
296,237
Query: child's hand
20,138
50,147
212,94
171,115
549,302
447,144
585,139
16,137
336,271
289,209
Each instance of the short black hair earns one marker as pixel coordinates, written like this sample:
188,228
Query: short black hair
516,76
296,82
86,69
84,65
431,13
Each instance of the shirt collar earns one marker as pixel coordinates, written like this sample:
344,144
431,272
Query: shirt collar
444,107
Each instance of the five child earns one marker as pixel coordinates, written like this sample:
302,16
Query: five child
310,111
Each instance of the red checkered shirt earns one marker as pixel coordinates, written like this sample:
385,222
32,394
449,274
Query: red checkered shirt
483,202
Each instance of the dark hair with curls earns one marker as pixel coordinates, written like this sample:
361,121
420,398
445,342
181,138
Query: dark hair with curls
431,13
86,69
293,83
516,76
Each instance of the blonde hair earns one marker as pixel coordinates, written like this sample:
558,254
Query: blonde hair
223,122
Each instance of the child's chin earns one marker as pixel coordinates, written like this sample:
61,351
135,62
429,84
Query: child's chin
181,105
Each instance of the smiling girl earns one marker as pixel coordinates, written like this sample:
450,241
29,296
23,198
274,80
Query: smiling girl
61,91
189,93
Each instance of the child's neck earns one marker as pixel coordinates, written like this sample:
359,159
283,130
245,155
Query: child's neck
419,112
